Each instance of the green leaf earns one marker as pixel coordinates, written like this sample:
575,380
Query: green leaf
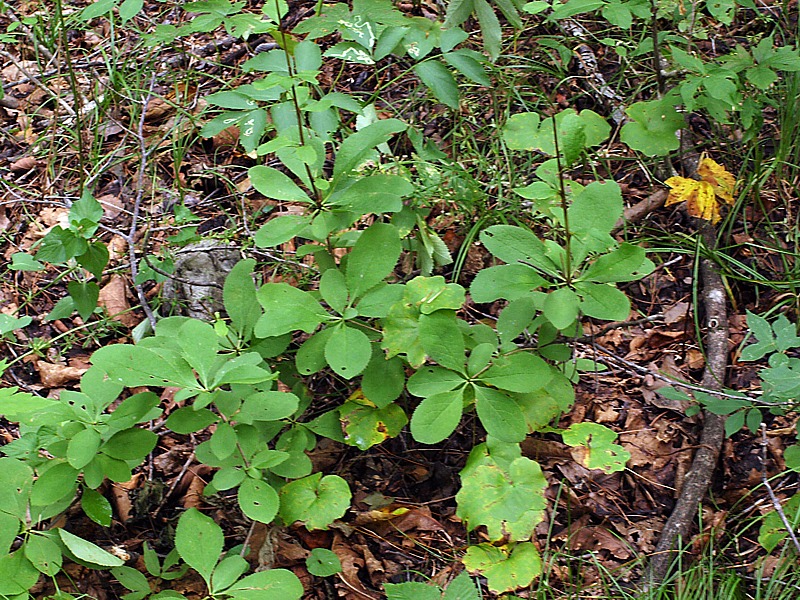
773,530
87,551
94,259
598,441
131,444
468,63
515,318
135,366
376,194
239,297
515,244
500,415
85,295
333,289
439,80
490,27
199,541
98,9
199,344
508,501
57,482
505,281
129,9
59,245
437,416
603,301
626,263
132,579
383,380
348,351
280,229
462,588
442,339
411,590
267,406
519,130
595,210
792,457
518,372
428,381
187,420
310,357
44,554
652,130
323,563
377,301
96,507
17,575
83,447
373,258
223,441
355,148
506,568
561,307
252,126
315,500
276,185
258,500
287,309
20,261
274,583
227,572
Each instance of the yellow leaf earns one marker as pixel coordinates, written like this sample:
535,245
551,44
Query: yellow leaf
714,173
701,196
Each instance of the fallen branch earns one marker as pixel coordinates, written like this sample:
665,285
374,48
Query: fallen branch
698,478
641,209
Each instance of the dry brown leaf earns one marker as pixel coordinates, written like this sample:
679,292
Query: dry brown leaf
54,376
598,538
112,205
26,163
351,561
114,298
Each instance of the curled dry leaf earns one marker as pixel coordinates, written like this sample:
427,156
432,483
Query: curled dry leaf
54,376
114,298
26,163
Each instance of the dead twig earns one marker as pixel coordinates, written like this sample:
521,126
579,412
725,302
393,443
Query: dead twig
698,478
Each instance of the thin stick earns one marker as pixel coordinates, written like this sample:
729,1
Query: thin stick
775,502
137,204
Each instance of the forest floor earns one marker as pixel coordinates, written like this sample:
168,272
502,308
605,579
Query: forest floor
402,524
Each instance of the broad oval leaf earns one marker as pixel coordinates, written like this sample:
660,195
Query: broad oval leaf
373,258
199,541
439,80
287,309
276,185
437,416
258,500
348,351
518,372
500,415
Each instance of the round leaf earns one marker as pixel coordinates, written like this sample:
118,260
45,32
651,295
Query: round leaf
323,563
348,351
258,500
